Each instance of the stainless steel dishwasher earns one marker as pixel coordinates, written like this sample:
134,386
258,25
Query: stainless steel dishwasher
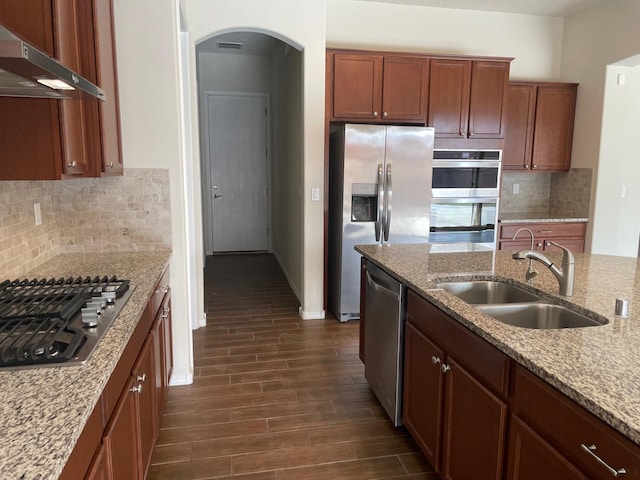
384,337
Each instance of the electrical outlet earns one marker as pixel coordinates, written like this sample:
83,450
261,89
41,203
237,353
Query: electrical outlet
315,194
37,213
516,188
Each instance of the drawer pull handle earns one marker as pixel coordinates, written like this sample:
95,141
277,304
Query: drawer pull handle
590,449
435,360
445,368
136,389
142,378
544,231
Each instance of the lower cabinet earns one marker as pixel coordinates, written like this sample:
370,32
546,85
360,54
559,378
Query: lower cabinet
477,415
454,394
127,418
531,458
121,437
567,234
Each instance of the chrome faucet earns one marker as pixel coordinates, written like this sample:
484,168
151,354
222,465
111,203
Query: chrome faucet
565,275
531,272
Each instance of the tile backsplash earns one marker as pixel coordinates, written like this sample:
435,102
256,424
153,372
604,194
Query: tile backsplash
563,194
127,213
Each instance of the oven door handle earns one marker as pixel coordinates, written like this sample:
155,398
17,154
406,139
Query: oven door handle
380,189
387,201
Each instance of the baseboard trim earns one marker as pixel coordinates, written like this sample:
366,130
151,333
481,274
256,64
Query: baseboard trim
306,315
181,379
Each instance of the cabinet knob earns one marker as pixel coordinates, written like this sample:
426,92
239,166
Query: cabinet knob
526,165
375,113
72,164
385,114
136,389
445,368
535,166
471,133
110,165
142,378
435,360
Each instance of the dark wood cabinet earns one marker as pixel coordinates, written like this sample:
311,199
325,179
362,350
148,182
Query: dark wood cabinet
423,393
144,376
540,118
100,468
467,98
568,234
568,437
52,139
363,302
377,88
531,458
121,438
131,403
454,385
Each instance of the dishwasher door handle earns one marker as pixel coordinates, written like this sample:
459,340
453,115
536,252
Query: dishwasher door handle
379,285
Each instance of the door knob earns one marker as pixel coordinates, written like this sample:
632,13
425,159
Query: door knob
216,195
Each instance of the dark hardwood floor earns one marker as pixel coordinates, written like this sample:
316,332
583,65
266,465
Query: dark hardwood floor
275,397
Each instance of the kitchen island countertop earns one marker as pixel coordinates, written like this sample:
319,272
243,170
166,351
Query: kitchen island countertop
43,410
597,367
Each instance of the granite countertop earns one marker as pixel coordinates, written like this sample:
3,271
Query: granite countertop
596,366
43,410
538,218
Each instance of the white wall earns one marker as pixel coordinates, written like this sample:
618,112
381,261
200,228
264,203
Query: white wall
147,58
301,24
287,173
617,218
534,41
599,36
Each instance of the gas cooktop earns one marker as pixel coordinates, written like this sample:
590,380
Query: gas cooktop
58,321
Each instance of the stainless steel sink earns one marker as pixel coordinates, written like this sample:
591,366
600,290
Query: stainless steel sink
539,315
481,292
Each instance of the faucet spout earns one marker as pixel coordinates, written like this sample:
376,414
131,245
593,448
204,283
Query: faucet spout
564,275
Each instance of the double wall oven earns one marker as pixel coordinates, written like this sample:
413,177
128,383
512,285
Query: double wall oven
465,194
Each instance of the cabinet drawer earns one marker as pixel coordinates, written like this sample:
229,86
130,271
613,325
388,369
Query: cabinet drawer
566,426
476,355
157,297
556,229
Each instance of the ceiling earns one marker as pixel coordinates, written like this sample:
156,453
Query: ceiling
556,8
251,43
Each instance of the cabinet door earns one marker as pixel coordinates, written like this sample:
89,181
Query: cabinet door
449,84
531,458
553,130
405,88
475,426
122,436
100,468
489,83
519,131
576,245
357,86
30,127
423,391
144,376
108,147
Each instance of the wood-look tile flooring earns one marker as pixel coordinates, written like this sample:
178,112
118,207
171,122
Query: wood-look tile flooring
275,397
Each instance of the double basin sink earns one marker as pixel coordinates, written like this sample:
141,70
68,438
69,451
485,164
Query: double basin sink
515,306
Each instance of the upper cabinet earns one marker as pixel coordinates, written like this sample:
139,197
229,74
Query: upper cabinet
377,88
44,139
467,98
462,97
540,117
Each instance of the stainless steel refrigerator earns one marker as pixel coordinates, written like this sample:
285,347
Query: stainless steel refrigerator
379,192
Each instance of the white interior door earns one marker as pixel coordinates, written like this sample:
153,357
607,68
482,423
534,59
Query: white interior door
238,160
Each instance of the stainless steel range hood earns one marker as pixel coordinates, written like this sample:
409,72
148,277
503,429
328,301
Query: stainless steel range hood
25,71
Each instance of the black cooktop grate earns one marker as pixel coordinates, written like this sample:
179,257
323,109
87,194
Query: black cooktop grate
40,318
61,296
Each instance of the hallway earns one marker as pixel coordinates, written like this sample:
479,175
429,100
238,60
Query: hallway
275,397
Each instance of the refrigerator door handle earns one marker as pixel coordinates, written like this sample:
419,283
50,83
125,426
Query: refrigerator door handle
379,217
387,201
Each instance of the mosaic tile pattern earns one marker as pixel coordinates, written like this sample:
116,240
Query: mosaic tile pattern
84,215
596,366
